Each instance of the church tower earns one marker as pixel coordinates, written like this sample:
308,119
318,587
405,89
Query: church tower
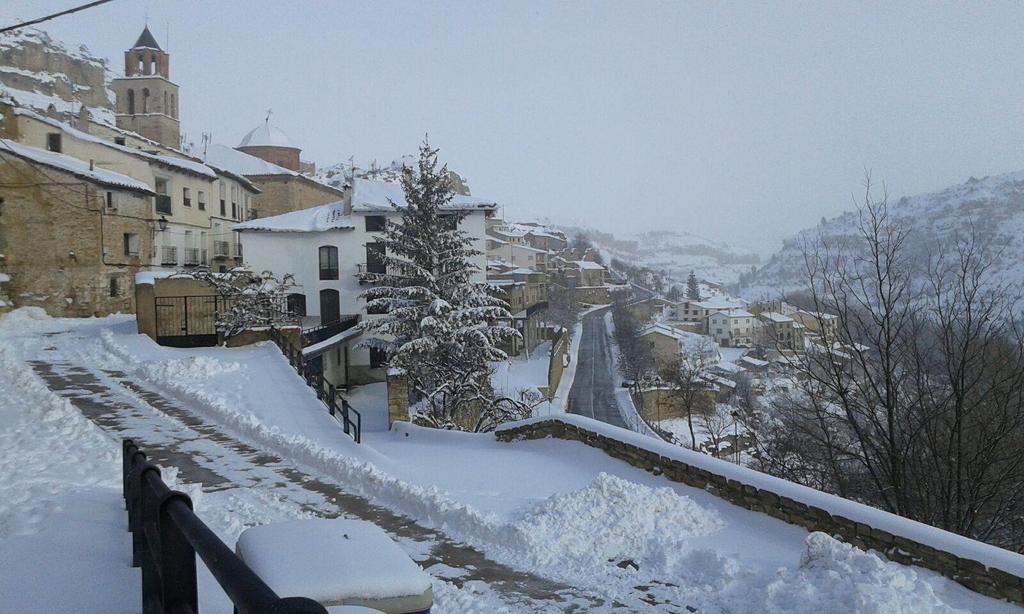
147,100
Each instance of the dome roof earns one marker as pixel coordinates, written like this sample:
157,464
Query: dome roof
266,135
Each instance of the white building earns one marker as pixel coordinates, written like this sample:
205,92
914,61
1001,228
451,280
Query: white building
732,327
333,250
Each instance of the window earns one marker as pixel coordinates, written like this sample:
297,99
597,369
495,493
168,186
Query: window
186,196
202,200
110,201
163,199
53,142
375,262
330,307
450,221
297,304
131,102
223,211
234,202
131,245
378,358
328,262
375,223
145,100
119,140
115,288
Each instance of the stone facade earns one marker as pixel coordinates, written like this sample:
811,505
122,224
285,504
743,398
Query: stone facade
62,249
398,398
287,157
287,193
972,574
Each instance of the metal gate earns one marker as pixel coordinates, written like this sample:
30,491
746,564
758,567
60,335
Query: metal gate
187,321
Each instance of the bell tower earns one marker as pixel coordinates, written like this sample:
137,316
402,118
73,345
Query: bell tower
147,100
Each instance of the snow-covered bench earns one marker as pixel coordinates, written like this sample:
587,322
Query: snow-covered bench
336,562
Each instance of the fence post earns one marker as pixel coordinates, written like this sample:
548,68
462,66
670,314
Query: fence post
177,560
136,463
344,415
148,528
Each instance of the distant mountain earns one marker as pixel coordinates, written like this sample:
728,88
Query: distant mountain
992,208
675,253
44,74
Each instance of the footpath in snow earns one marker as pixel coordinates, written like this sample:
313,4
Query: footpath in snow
557,509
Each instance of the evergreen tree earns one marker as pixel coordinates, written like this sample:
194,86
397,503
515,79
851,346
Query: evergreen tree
441,328
692,289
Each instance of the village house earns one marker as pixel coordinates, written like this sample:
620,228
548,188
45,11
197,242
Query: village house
670,345
63,247
732,327
818,322
697,312
334,253
525,291
780,331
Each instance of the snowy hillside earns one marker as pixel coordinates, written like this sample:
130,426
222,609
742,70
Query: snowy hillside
675,253
40,72
991,207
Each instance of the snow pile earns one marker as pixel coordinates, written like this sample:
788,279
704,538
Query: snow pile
192,368
49,448
850,580
613,520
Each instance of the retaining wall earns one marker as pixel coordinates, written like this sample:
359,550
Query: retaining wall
969,562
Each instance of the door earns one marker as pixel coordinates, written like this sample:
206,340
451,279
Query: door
330,307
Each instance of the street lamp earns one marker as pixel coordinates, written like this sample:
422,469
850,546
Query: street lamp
736,436
162,223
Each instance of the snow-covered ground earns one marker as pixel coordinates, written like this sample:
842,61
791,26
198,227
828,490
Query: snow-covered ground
559,509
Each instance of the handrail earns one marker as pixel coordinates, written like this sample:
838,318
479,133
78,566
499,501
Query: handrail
325,391
166,537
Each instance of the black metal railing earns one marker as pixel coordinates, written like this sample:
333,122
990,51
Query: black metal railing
169,255
221,249
312,336
166,537
350,419
191,256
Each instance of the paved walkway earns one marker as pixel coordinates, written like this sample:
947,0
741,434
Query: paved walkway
593,391
203,454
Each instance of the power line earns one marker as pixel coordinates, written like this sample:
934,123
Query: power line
53,16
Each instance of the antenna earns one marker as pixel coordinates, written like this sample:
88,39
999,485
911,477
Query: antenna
269,113
167,36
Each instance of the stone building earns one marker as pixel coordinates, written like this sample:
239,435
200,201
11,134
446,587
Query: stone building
72,235
270,143
147,99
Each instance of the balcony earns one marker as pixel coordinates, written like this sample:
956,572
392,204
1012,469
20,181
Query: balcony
163,203
191,256
222,249
169,256
371,272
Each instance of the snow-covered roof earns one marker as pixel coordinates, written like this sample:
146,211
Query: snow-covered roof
181,164
754,362
370,195
721,302
317,219
242,163
734,313
776,317
586,265
266,135
818,315
76,167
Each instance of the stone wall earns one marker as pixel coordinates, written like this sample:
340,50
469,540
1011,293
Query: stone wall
287,193
63,251
972,574
398,398
559,352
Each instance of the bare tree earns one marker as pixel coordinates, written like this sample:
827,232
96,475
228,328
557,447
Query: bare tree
912,401
246,300
689,387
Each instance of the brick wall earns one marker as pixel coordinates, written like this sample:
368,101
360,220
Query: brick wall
970,573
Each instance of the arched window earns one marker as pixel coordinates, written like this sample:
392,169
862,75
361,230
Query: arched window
174,107
167,109
131,102
145,100
330,307
328,262
297,304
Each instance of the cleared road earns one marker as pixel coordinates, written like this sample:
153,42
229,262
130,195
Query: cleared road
593,391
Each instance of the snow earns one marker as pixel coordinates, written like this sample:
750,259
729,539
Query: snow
557,508
778,318
326,344
331,560
77,167
317,219
586,265
266,135
368,195
241,163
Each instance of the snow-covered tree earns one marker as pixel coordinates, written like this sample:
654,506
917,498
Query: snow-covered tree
692,288
246,300
440,327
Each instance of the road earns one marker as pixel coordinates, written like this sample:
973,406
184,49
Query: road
593,391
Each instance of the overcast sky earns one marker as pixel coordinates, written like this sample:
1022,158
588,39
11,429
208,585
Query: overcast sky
738,121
